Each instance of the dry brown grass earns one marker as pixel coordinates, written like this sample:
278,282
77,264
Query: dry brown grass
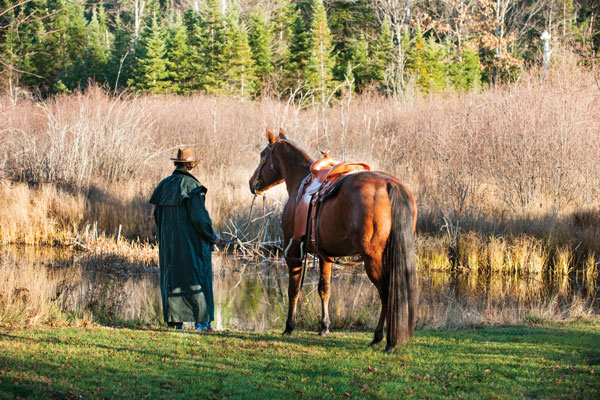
27,293
504,163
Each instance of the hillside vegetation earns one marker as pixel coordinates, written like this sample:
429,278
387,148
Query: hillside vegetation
309,49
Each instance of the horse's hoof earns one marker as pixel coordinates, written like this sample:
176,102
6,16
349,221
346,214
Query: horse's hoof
377,338
389,349
324,332
287,331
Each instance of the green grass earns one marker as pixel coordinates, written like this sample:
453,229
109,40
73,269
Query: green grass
550,361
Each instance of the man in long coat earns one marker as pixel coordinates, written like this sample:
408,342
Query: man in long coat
185,237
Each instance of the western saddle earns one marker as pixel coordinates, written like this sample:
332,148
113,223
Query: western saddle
322,183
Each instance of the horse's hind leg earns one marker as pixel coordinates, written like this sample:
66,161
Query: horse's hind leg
378,336
324,292
295,279
375,273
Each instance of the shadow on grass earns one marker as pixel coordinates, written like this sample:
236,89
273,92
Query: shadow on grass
69,362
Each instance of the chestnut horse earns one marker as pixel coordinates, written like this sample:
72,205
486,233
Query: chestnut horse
373,215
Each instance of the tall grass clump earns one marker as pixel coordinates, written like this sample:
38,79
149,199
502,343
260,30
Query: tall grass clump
41,215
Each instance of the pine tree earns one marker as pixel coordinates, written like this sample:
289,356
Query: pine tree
318,73
241,76
298,52
208,48
260,39
178,53
119,64
213,28
281,24
196,42
74,74
151,71
464,74
97,47
382,55
60,45
10,51
358,65
436,56
426,63
33,38
348,21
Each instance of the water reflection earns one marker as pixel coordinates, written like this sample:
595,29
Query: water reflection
253,296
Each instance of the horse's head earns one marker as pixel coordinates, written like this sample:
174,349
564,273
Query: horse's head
267,174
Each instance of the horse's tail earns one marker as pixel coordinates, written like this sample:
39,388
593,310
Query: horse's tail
399,262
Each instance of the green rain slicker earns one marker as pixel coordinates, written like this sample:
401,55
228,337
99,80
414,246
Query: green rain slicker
185,233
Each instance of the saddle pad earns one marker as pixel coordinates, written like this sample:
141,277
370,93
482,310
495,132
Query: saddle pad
331,192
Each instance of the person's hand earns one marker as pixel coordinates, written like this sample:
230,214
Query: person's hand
218,240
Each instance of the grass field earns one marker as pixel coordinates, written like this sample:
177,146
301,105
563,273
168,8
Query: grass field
537,361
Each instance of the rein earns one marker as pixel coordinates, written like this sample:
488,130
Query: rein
250,216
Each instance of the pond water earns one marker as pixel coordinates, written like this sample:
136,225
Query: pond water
252,295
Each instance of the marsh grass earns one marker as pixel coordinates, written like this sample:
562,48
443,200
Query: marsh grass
513,168
27,294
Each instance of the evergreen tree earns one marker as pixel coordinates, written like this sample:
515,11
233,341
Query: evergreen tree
178,53
74,74
214,40
240,76
260,39
208,48
61,42
281,24
33,37
298,52
196,42
151,70
318,72
348,22
464,74
425,62
358,65
383,53
98,46
10,50
119,64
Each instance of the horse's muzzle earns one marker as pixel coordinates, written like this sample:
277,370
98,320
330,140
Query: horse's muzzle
255,188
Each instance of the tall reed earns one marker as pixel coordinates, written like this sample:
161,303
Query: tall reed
518,160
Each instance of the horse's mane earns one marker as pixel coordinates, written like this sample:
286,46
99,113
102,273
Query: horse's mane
298,149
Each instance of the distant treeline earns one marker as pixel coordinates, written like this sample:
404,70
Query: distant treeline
283,47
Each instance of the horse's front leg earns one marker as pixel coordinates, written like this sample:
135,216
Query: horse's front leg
295,279
324,292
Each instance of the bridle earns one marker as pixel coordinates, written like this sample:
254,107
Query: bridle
263,162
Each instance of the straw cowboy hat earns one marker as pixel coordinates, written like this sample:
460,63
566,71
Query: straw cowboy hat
185,155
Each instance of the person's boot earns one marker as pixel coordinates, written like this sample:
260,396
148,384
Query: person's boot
203,326
176,325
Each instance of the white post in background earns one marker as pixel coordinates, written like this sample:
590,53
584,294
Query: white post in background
546,39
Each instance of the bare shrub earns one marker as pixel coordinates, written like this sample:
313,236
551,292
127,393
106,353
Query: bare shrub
84,136
509,159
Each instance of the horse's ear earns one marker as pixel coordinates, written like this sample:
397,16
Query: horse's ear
271,137
281,134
